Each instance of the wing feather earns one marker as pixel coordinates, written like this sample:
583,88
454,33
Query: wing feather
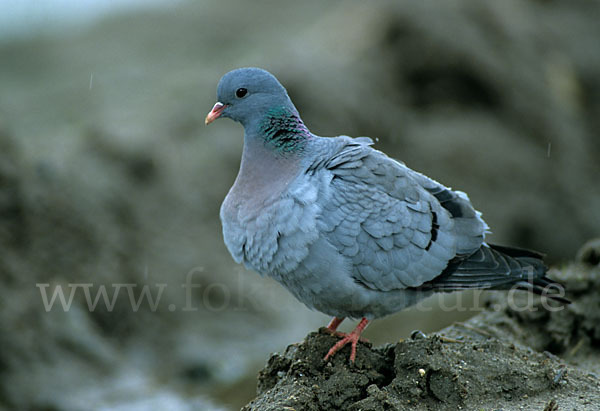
398,228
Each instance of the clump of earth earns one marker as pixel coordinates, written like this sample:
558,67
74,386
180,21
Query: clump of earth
503,358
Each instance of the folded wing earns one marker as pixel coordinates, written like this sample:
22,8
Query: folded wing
399,228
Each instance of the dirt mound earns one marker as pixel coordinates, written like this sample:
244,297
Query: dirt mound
504,358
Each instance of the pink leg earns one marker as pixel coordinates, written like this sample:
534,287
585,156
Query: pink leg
351,338
334,324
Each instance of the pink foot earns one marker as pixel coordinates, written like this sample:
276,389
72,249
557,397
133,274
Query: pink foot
333,325
352,337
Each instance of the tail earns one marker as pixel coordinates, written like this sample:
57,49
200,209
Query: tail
498,268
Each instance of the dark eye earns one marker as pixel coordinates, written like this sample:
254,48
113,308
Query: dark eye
241,92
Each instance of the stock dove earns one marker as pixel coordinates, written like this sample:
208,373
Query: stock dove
346,229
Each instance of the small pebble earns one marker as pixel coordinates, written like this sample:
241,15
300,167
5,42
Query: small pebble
372,389
561,373
417,335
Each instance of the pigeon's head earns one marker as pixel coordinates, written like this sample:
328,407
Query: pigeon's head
247,94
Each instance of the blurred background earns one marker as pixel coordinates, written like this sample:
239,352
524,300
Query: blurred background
110,181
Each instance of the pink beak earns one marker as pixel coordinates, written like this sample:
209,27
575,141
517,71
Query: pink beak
214,113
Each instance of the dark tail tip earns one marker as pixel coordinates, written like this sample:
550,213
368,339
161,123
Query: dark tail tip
545,287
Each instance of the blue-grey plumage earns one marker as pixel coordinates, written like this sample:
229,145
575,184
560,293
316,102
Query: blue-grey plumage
346,229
